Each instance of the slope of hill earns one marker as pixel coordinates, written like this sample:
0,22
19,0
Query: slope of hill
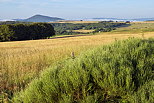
41,18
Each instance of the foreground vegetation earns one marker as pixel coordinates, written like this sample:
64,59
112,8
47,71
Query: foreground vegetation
121,72
22,61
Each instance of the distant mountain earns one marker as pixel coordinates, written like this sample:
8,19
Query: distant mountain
41,18
18,19
108,19
144,19
3,20
150,20
35,18
116,19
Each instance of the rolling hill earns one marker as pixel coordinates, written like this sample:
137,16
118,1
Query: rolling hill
41,18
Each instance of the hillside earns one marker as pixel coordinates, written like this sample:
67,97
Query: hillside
41,18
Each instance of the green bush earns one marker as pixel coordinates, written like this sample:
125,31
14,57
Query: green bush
33,31
6,33
122,72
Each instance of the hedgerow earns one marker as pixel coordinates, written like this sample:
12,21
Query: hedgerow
14,32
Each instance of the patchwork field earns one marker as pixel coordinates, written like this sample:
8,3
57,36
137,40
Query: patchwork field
136,27
22,61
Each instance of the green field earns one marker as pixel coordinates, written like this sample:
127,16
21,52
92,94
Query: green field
21,62
140,27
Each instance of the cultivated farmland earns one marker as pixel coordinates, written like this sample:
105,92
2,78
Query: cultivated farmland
22,61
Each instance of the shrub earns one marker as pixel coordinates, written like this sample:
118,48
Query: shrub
120,72
33,31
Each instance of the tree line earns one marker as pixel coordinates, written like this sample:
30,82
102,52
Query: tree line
67,28
14,32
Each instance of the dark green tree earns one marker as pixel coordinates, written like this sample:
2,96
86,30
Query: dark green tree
33,31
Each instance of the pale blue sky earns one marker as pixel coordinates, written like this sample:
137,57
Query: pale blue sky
69,9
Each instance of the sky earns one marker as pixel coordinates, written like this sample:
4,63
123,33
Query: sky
74,9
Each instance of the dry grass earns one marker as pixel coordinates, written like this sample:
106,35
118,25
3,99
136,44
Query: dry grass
21,61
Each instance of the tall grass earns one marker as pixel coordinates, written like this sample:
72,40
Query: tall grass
121,72
20,66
